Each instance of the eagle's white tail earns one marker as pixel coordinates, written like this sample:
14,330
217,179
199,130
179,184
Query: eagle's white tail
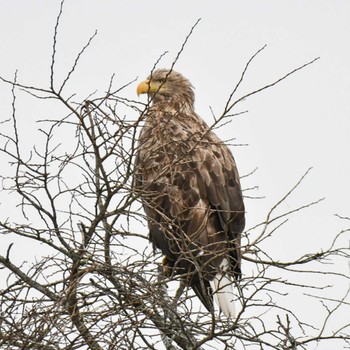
222,289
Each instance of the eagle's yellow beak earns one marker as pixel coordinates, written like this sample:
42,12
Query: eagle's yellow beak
146,87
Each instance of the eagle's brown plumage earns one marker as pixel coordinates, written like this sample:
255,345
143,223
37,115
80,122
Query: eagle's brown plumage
189,186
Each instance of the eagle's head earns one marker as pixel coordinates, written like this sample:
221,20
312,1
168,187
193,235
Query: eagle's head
165,85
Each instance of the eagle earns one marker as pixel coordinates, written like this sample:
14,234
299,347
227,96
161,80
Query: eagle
190,190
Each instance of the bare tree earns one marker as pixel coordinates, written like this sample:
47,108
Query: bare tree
99,284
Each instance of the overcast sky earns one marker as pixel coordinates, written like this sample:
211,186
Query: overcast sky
302,122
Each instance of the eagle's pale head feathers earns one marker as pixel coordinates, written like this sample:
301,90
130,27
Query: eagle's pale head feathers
165,85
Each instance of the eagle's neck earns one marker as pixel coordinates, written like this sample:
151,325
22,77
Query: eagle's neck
179,99
173,106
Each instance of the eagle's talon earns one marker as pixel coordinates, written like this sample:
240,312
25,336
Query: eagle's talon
166,267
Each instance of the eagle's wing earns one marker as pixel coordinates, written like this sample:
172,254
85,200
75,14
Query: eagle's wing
218,185
220,182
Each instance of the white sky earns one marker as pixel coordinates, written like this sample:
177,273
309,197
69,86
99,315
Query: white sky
303,122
